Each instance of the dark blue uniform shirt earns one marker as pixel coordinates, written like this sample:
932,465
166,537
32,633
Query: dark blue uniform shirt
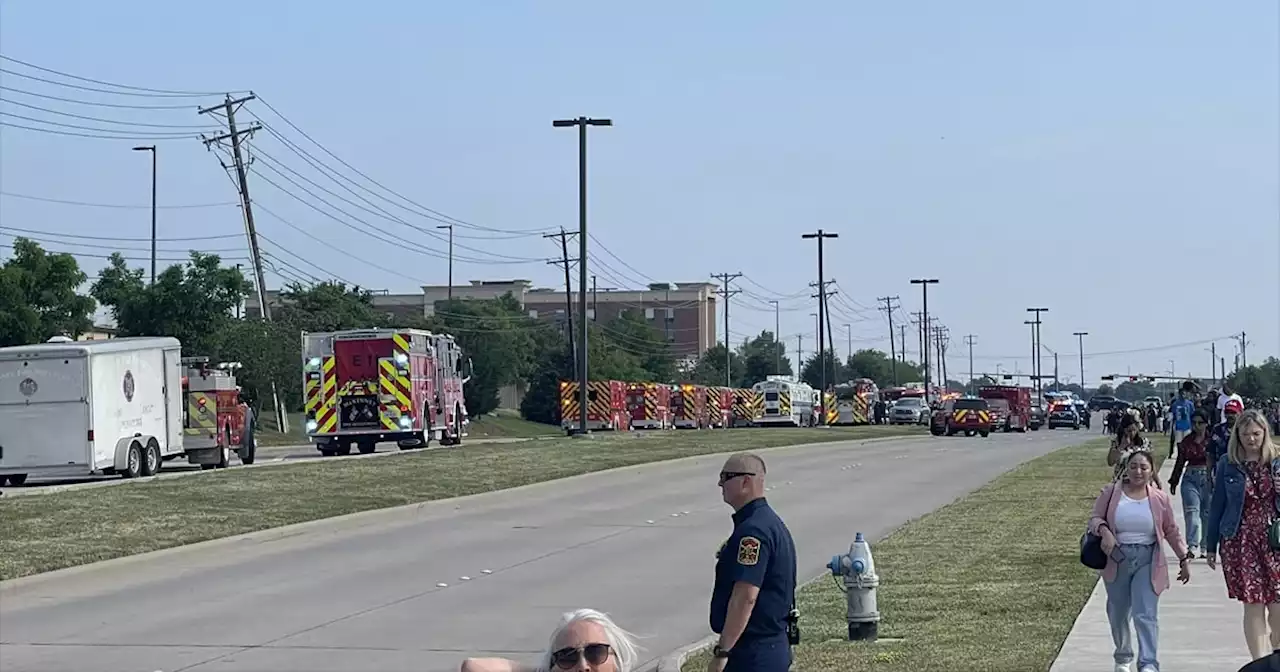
760,551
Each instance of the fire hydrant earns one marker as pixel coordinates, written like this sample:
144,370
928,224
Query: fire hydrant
860,582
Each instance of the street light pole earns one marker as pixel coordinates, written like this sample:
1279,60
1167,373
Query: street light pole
1038,370
777,341
152,149
450,227
924,289
1080,335
582,123
820,235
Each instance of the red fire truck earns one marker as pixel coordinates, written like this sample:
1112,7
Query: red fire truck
689,406
649,405
1010,406
720,406
365,386
215,422
606,406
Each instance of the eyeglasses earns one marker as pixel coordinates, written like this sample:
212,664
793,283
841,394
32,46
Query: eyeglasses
726,476
596,654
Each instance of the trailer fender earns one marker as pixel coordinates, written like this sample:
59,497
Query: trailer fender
120,461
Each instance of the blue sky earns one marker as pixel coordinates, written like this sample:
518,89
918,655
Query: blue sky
1087,156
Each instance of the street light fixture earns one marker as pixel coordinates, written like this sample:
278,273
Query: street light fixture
924,288
152,149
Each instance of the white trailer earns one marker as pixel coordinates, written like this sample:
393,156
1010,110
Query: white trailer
77,408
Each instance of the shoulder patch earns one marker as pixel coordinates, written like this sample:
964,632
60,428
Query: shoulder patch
748,551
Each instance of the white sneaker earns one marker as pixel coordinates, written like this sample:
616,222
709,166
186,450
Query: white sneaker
1148,669
1123,667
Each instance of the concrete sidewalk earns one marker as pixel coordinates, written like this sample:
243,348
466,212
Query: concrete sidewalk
1200,627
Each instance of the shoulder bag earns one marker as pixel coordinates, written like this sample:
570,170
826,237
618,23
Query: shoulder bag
1091,554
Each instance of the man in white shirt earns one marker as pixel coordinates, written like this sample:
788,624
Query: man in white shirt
1227,395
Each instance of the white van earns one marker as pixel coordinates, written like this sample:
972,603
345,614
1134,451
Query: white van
77,408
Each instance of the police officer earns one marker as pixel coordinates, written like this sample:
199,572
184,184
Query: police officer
754,594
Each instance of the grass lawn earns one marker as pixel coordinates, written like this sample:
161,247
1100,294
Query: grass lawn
501,424
990,583
72,527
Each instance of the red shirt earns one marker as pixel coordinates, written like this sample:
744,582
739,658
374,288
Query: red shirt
1192,450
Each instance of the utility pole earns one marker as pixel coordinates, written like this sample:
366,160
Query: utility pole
1213,353
450,227
229,107
943,342
595,313
918,320
777,341
969,340
1080,335
848,334
725,293
824,322
902,338
1244,357
568,292
152,149
893,355
924,287
821,235
799,354
1038,370
583,374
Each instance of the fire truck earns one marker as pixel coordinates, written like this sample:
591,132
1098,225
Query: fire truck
649,405
689,406
606,406
720,407
855,402
365,386
1010,406
748,406
787,401
215,421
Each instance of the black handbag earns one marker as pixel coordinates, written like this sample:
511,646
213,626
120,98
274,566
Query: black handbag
1091,554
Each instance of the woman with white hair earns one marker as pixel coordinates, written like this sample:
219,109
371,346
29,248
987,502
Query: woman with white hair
585,640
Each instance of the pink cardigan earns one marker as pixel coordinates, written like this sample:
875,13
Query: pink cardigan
1104,511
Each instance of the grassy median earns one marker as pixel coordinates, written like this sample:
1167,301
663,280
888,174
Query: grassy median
991,582
50,531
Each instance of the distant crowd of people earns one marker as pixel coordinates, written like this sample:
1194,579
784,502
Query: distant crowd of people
1228,468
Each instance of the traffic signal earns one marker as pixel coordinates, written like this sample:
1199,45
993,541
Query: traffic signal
1108,377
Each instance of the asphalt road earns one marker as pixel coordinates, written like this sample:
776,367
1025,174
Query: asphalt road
422,587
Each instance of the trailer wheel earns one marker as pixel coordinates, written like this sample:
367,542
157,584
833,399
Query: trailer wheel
132,461
151,460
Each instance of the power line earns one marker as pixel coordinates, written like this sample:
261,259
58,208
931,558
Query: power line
117,239
107,91
96,103
88,204
154,137
168,92
101,119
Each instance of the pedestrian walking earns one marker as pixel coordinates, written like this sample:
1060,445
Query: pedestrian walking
753,601
1191,472
1135,520
1182,410
1244,519
1128,437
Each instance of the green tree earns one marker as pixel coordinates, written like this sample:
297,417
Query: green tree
1106,389
1134,391
633,335
812,374
327,306
270,352
1257,382
878,366
38,297
710,368
761,357
192,302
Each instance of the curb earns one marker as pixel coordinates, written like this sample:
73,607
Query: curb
672,662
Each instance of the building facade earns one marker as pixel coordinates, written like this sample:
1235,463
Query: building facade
685,313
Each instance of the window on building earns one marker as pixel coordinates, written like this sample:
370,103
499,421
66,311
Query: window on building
671,314
591,313
648,313
533,314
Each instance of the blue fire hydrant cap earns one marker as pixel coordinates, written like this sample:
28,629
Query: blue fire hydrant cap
859,567
834,565
858,537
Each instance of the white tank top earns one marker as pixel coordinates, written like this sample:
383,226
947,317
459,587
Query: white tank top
1134,522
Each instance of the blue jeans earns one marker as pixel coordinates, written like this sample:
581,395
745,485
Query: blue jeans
1195,502
1130,595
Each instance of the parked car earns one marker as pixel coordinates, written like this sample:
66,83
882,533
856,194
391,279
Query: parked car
1064,415
1037,416
1101,402
909,411
938,418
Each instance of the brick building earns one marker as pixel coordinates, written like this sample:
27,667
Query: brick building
684,312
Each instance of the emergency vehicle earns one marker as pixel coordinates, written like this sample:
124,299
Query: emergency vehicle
787,401
689,407
720,406
364,386
606,406
215,421
649,405
855,402
748,406
1010,406
970,415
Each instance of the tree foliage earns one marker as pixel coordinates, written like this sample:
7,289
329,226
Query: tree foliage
192,302
1106,389
38,297
1257,382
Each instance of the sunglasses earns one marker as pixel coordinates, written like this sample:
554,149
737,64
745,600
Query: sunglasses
726,476
595,654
